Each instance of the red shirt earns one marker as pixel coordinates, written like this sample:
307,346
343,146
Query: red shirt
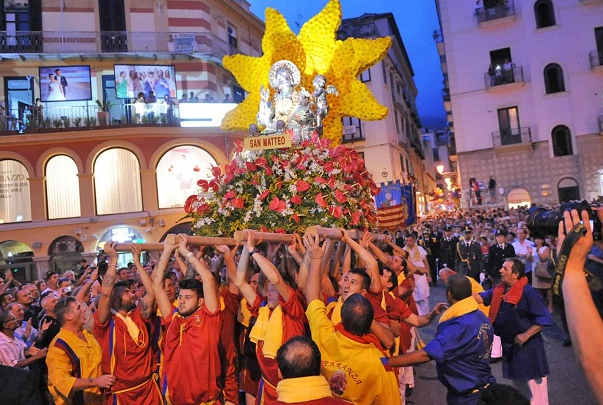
294,320
191,360
380,313
134,363
227,344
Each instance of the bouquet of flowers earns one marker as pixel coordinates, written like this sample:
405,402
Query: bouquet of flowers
285,190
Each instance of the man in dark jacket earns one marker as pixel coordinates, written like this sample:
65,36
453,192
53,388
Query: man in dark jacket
497,254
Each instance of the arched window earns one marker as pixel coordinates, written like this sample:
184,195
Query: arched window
562,141
553,78
15,204
568,190
178,172
117,182
544,13
62,188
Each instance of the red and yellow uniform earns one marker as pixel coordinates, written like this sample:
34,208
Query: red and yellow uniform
128,356
68,359
355,368
312,390
271,330
191,366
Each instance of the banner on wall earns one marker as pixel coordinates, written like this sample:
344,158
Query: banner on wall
14,192
395,206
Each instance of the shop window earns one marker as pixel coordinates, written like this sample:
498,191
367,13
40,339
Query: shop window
15,204
62,188
117,182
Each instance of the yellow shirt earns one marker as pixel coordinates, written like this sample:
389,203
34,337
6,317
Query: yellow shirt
477,288
69,358
357,372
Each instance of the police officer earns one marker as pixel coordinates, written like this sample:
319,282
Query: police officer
468,255
428,243
497,255
447,248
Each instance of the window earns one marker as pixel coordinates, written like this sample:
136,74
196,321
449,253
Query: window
62,188
232,35
384,71
14,192
568,190
117,190
112,14
178,172
544,13
352,129
553,78
508,123
562,141
365,76
396,121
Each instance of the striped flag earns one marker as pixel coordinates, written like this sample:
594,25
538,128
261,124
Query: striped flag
391,212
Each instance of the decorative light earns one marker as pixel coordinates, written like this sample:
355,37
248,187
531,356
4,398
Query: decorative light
440,168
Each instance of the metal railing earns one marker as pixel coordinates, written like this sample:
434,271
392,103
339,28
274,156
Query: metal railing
87,42
512,136
501,9
501,76
600,119
595,58
82,116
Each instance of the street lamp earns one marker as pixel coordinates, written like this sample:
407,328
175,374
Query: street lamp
440,168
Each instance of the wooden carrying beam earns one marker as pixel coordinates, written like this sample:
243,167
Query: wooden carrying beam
241,236
201,240
144,247
331,233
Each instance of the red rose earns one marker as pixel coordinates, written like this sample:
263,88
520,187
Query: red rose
238,203
296,199
301,186
321,201
264,195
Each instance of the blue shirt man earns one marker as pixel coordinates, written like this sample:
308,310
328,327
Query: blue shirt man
461,347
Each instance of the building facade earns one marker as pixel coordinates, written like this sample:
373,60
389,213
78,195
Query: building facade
523,90
393,147
73,175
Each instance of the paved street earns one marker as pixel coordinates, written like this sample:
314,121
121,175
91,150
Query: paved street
566,381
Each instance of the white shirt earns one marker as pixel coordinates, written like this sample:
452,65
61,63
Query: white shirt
521,250
421,290
12,351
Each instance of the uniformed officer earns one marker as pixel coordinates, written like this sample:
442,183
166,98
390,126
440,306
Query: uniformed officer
427,242
497,255
468,255
447,248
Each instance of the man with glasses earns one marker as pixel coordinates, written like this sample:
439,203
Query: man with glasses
25,331
74,359
12,349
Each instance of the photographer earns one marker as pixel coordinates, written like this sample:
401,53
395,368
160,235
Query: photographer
585,324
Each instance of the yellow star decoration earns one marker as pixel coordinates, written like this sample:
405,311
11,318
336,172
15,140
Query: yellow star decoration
315,50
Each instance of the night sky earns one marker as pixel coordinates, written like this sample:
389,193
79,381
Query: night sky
416,19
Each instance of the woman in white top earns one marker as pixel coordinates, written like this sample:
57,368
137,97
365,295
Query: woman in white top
540,254
55,90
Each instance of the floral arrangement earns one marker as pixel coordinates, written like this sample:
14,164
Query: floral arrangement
285,190
314,51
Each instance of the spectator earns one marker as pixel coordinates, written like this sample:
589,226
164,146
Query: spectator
169,109
192,98
184,98
209,99
25,331
12,349
227,99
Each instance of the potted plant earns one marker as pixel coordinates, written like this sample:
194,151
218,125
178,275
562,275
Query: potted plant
77,122
103,111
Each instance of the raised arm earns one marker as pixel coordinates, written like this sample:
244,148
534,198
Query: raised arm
210,292
372,267
103,312
271,272
315,254
147,304
163,302
585,324
86,286
231,267
244,287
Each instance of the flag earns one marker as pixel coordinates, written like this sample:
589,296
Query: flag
391,211
408,199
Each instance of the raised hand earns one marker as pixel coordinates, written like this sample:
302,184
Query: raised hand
135,248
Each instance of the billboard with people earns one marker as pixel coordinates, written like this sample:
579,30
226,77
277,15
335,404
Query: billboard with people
131,80
65,83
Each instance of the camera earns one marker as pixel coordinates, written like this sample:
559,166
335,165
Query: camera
542,222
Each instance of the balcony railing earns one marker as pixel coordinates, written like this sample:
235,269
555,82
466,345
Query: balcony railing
56,118
504,76
91,42
595,58
512,136
600,119
500,9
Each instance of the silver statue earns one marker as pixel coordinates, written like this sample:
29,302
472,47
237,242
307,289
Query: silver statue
289,108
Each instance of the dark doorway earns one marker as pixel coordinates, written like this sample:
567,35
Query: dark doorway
569,194
113,25
508,123
18,93
499,56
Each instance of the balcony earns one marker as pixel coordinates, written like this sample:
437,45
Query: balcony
600,119
504,79
512,136
34,44
498,11
596,60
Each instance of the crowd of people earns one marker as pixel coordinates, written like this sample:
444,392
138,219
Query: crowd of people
310,322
